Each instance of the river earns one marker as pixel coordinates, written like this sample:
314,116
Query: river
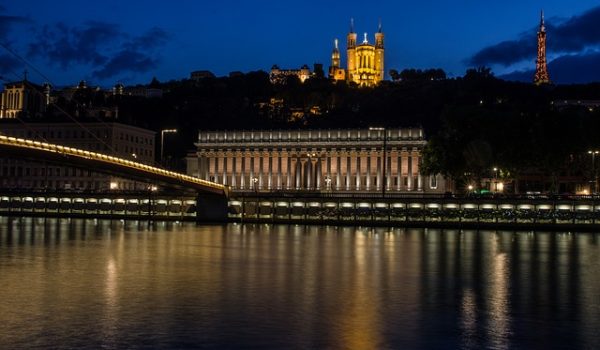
73,283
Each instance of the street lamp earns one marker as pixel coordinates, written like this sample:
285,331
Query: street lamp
328,182
495,179
162,141
593,153
254,182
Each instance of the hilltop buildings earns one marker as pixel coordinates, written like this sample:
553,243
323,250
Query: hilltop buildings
364,62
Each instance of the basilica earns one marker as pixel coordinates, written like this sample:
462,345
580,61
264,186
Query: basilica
365,61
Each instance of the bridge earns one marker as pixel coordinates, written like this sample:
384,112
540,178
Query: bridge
211,197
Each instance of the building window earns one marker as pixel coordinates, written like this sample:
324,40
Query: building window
433,182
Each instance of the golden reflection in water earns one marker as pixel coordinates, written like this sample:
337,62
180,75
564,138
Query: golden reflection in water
468,318
498,328
359,309
111,289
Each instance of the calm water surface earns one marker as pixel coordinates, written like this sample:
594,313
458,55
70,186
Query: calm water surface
112,284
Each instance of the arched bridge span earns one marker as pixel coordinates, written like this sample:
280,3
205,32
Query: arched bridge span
103,163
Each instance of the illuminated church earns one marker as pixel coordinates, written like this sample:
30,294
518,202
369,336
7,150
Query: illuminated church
365,64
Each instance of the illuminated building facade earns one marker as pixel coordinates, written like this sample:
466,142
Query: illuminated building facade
541,69
278,75
365,160
365,60
23,99
124,141
336,72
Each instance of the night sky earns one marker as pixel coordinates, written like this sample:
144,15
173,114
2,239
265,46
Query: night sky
109,41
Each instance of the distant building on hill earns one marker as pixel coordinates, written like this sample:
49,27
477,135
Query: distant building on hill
279,76
23,99
201,74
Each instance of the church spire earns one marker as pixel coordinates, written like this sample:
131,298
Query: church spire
351,25
541,66
379,26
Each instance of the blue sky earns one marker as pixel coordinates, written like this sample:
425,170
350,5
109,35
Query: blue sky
132,41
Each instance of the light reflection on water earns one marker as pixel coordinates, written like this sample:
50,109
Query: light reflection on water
128,284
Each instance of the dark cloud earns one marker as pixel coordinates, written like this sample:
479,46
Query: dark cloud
103,46
8,66
153,38
126,61
8,63
7,23
571,36
567,69
64,45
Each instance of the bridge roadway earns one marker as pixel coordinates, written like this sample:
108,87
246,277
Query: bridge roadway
103,163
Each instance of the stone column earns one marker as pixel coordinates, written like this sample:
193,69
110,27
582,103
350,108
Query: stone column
369,181
243,170
318,173
379,171
388,173
288,178
299,172
398,170
224,168
357,171
410,172
251,184
216,168
417,166
338,174
279,172
270,175
348,173
260,169
234,170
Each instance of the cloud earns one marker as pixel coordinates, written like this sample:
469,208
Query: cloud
102,46
126,60
7,23
567,69
153,38
8,65
576,34
64,45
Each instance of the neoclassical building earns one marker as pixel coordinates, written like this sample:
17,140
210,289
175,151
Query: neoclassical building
361,160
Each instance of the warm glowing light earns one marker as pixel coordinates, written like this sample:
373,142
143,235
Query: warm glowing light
114,185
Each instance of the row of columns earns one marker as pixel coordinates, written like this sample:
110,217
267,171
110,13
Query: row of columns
361,171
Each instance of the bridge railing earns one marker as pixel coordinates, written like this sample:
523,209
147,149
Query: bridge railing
44,146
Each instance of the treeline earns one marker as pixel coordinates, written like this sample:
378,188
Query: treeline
474,122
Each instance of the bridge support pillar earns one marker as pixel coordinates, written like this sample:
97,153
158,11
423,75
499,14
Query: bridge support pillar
211,208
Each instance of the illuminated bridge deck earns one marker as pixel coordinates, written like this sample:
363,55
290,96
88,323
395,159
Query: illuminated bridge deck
104,163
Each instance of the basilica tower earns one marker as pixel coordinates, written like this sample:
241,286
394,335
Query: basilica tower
351,51
541,69
365,60
336,72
